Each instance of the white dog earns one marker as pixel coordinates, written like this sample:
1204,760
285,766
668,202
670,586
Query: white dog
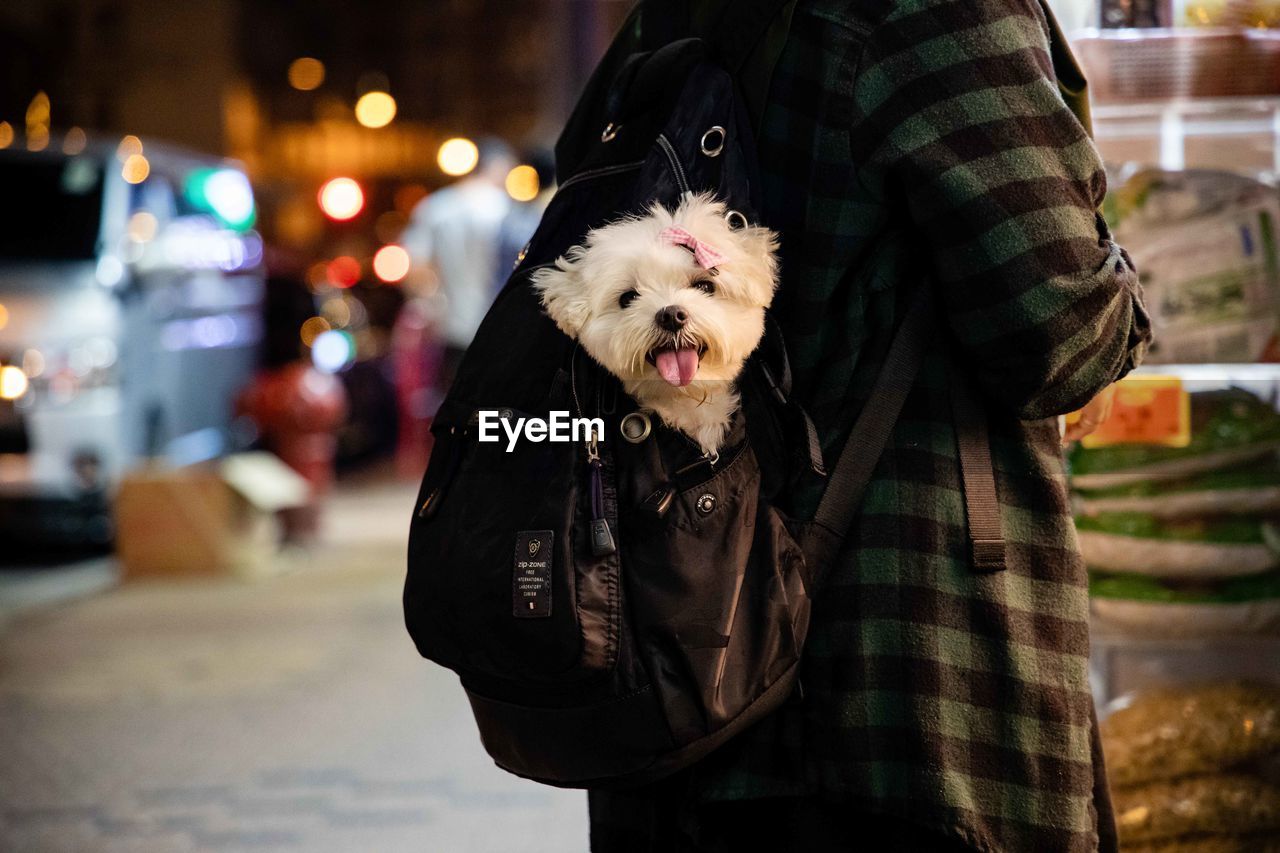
672,304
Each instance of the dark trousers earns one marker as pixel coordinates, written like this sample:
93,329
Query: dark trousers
659,819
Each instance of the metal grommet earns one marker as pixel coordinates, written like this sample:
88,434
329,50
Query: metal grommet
706,503
736,220
610,131
713,141
636,427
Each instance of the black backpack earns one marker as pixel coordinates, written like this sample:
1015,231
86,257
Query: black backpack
618,609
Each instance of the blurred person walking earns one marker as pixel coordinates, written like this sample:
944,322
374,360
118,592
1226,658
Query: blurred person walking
455,233
944,707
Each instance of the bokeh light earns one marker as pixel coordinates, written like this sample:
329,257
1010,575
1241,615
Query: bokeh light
375,109
333,351
4,316
318,276
313,328
336,311
523,183
33,363
13,382
341,199
128,147
6,134
110,271
306,73
391,263
136,168
458,156
74,141
225,193
142,226
38,113
343,271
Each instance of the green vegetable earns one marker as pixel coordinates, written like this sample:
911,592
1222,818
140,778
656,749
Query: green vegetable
1220,420
1257,475
1144,588
1231,530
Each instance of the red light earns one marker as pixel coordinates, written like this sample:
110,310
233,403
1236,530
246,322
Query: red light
344,271
341,199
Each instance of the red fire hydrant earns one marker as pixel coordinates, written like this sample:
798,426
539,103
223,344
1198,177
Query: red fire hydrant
298,410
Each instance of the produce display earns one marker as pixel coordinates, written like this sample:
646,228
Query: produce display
1177,493
1229,428
1146,606
1185,541
1205,244
1187,768
1239,807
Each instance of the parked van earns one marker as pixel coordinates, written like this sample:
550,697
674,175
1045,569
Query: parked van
130,290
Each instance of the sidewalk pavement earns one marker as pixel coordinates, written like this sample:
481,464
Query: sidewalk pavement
285,715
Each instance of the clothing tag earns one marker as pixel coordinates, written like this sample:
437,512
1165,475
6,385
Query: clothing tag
531,579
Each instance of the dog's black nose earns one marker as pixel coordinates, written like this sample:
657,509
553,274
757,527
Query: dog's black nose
672,318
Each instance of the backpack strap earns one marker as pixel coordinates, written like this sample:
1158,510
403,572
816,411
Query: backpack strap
978,473
745,36
821,539
741,27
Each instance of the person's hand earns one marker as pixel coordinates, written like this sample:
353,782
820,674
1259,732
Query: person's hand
1092,416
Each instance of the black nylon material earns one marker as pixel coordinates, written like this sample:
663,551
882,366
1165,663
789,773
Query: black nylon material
638,661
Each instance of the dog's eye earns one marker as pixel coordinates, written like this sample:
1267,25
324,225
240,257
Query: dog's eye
706,285
627,298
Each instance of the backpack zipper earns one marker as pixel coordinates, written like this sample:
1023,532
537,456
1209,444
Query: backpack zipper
676,168
602,541
600,173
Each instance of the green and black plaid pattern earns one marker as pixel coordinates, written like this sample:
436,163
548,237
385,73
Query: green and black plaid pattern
906,140
927,139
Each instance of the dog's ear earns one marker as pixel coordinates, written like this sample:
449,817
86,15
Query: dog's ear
757,241
759,246
563,296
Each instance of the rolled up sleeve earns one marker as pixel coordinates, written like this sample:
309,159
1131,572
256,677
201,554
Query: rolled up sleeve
957,103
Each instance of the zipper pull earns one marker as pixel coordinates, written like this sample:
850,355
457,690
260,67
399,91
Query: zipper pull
602,542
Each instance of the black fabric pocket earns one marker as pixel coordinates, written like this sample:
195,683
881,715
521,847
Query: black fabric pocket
466,566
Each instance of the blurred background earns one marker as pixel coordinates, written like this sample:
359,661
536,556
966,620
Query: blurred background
243,246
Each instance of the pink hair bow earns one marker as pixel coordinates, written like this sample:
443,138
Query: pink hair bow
706,256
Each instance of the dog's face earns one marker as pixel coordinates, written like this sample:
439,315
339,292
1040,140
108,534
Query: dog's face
669,297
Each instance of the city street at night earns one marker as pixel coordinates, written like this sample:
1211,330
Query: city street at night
803,426
289,714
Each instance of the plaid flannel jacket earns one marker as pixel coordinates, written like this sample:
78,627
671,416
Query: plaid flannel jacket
906,141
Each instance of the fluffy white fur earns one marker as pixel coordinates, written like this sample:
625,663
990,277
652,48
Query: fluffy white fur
608,292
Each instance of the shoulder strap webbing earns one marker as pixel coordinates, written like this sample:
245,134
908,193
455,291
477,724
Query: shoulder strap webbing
733,34
746,36
978,473
869,437
741,27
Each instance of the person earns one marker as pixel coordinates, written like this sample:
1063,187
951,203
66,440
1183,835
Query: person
455,232
910,143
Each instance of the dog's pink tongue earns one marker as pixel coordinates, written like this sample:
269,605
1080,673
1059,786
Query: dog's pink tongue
677,367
